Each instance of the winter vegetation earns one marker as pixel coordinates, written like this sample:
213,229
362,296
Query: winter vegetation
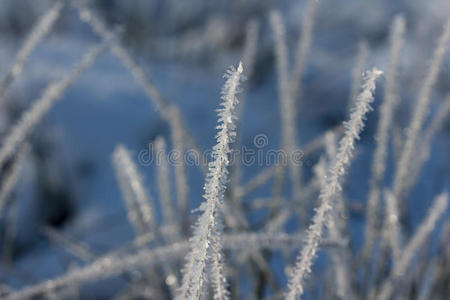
312,173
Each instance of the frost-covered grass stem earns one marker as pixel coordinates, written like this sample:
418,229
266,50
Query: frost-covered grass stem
207,232
391,99
39,31
137,197
41,106
346,146
419,115
163,175
434,213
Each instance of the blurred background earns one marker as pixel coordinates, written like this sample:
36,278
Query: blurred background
67,182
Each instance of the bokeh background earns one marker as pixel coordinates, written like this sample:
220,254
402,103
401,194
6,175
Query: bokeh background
68,181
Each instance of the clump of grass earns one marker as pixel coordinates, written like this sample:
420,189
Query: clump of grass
228,249
206,241
353,129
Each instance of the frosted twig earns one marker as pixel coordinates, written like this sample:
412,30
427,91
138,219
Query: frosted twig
429,279
207,224
425,143
346,146
391,99
82,251
78,249
419,115
102,268
41,106
341,264
161,104
176,128
341,209
392,226
357,71
164,182
287,109
339,256
128,175
8,183
100,28
250,48
284,91
217,266
434,213
139,203
38,32
303,47
299,203
10,178
248,60
113,264
133,214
